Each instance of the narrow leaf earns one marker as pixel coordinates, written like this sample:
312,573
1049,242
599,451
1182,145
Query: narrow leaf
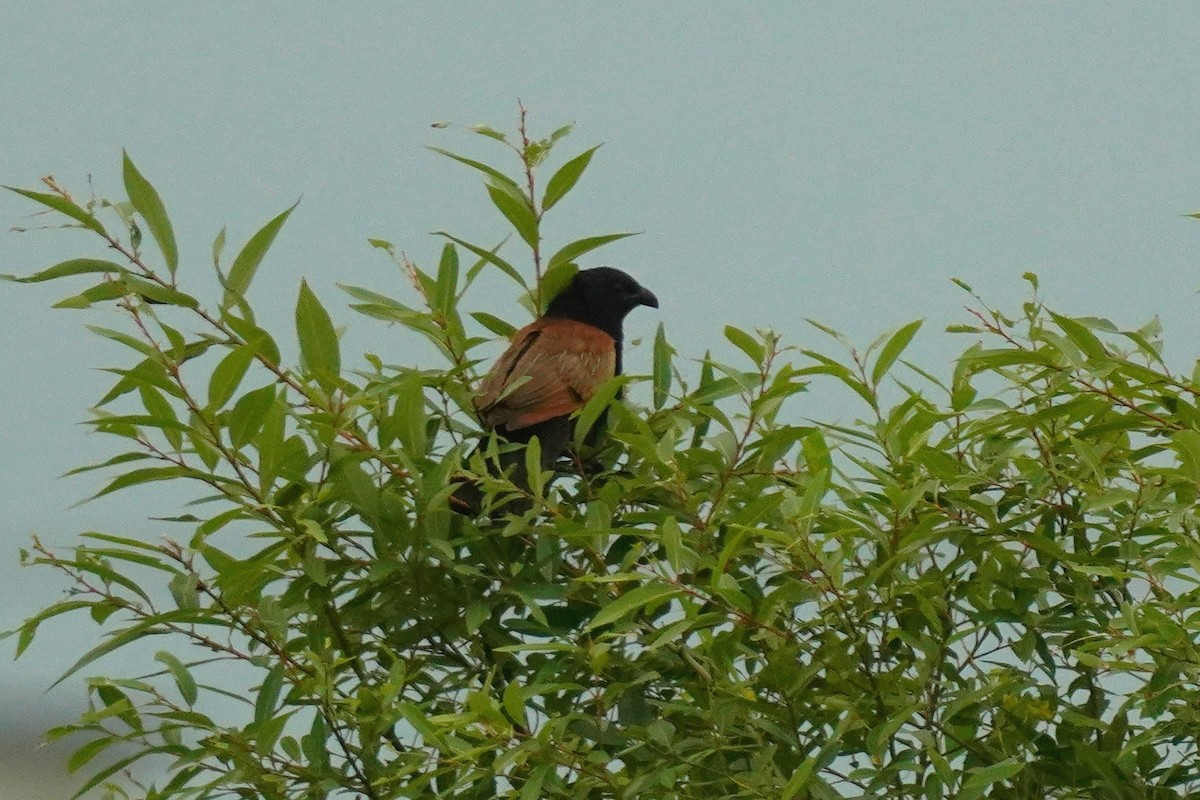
892,350
491,133
117,766
147,627
565,178
145,475
489,256
228,374
517,212
179,671
255,337
643,596
318,339
147,202
574,250
662,367
29,627
109,290
218,246
590,413
157,293
63,206
447,280
247,261
268,694
746,343
491,172
248,414
983,777
89,751
553,282
75,266
494,324
1078,333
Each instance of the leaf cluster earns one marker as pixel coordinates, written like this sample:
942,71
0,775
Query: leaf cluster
979,587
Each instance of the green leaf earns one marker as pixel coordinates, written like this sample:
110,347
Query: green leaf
101,292
672,539
375,298
29,627
132,342
154,624
75,266
88,751
228,374
569,252
126,285
644,596
63,206
241,273
161,410
830,747
553,283
410,413
446,287
491,172
560,133
145,475
147,202
983,777
596,405
892,350
747,344
318,340
1083,338
514,703
124,541
157,293
255,337
117,766
268,695
489,256
183,678
183,592
662,367
490,132
248,414
565,178
494,324
830,367
477,614
1187,445
517,211
218,246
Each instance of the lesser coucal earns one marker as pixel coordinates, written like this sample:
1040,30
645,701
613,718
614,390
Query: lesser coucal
552,368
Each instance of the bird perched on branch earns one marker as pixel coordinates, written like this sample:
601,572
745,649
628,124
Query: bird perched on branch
552,368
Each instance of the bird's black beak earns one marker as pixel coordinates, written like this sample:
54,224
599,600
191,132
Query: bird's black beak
646,298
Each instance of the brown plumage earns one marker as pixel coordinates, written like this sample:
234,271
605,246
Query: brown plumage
552,367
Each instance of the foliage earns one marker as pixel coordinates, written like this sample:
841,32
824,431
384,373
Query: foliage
984,587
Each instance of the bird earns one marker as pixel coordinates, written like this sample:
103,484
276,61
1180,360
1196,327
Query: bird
552,367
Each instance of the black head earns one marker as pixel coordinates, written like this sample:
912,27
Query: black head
601,296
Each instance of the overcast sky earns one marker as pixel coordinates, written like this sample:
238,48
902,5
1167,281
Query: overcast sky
783,160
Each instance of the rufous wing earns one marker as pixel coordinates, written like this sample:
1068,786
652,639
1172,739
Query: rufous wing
551,369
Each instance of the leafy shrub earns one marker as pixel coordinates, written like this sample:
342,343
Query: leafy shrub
982,587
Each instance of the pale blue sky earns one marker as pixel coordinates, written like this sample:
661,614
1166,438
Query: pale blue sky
784,160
